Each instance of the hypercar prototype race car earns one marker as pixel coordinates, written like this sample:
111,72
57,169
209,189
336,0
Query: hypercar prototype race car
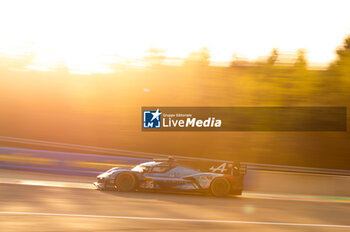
220,179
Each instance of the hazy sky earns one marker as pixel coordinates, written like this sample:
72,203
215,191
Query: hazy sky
85,34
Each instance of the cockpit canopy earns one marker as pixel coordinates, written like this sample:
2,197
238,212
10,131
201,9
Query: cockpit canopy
154,166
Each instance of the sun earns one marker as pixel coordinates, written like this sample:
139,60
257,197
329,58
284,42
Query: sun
87,36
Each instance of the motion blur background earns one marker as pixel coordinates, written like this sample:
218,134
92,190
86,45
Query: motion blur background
79,72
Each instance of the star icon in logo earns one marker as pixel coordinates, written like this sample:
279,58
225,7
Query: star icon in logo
156,115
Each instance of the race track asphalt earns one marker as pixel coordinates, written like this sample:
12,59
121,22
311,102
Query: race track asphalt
31,207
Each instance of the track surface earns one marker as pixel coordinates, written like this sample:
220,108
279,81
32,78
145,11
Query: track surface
42,208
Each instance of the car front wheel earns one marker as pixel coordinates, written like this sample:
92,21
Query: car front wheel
125,182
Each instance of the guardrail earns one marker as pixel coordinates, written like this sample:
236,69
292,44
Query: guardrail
63,163
283,168
125,154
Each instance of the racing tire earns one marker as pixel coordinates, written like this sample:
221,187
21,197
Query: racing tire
220,187
125,182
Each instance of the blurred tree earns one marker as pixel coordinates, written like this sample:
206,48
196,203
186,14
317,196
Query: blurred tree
200,57
155,56
344,51
273,57
300,63
342,63
340,72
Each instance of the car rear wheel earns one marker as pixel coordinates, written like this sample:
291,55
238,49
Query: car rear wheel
220,187
125,182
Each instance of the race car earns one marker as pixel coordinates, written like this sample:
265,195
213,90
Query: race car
169,175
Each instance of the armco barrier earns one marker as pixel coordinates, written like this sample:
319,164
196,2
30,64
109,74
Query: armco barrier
285,168
61,162
297,183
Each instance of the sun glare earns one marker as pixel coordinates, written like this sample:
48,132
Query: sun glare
87,36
